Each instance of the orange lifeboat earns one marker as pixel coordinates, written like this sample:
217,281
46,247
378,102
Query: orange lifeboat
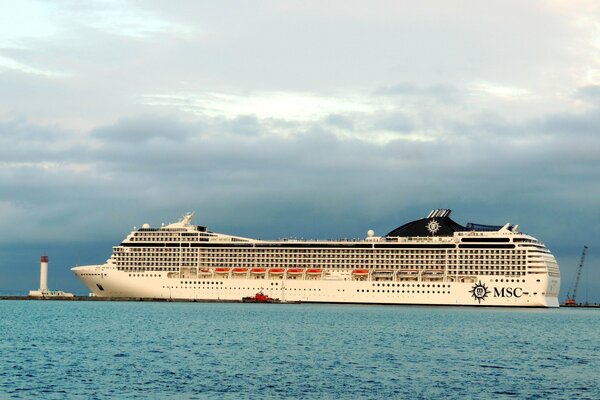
360,272
222,270
276,271
258,270
295,271
240,270
314,271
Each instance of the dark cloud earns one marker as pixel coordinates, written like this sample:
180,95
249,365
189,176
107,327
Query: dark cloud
246,125
589,93
396,122
24,142
583,125
141,130
20,130
340,121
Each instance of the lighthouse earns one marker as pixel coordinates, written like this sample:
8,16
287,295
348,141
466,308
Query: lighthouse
44,274
43,291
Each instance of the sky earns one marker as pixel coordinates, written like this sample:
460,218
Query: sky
294,119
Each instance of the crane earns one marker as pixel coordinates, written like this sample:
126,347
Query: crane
570,301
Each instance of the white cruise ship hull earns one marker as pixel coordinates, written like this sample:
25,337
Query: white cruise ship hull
104,281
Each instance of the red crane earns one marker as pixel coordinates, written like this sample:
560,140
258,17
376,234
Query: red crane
570,301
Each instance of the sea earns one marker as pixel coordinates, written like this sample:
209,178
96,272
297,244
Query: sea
164,350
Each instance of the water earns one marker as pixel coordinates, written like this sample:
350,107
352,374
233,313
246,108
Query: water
106,350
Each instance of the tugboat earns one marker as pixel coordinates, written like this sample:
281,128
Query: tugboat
260,297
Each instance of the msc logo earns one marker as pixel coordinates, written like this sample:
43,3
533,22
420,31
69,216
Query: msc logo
479,291
508,292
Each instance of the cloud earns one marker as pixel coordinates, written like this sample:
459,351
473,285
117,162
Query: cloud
396,122
501,91
12,64
247,125
589,93
26,143
297,106
440,92
144,129
339,121
145,160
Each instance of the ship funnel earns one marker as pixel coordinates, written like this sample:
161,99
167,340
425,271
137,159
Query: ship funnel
439,213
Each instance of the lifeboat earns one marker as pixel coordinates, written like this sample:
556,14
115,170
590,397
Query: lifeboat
276,271
258,270
240,270
222,270
204,271
434,272
383,272
408,273
360,272
314,271
295,271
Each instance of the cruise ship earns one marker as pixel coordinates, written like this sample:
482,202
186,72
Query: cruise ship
432,261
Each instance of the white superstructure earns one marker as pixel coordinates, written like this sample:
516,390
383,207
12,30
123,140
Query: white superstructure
432,260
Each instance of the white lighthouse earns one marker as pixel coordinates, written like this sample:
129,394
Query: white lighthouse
43,291
44,274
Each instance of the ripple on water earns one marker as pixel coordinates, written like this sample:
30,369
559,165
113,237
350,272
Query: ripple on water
198,350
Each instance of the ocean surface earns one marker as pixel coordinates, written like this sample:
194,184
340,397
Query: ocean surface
131,350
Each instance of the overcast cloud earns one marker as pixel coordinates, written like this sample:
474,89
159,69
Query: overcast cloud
294,118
